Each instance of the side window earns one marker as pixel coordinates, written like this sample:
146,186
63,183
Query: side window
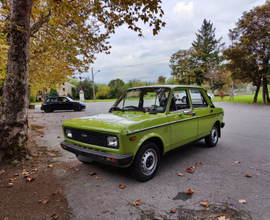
197,99
179,100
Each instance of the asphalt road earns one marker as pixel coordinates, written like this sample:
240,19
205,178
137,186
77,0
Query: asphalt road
219,181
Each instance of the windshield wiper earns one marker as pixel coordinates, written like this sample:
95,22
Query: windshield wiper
134,107
115,108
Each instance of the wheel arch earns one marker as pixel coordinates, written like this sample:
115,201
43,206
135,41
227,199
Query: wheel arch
218,124
156,140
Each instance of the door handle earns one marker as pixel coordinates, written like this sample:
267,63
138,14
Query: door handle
211,110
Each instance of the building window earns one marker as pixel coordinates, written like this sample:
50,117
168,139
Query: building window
64,89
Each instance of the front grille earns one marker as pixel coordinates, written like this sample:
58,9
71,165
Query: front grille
89,137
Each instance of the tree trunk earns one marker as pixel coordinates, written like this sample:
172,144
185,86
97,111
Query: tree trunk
257,92
14,106
265,91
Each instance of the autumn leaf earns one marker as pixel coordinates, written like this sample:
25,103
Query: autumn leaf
55,193
30,178
138,202
190,191
92,173
173,211
247,175
237,162
54,216
206,204
58,137
71,158
43,202
10,185
77,169
48,128
180,174
199,164
121,186
222,218
5,218
242,201
50,165
33,165
189,170
2,171
98,178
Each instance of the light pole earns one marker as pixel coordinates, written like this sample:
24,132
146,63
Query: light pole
94,83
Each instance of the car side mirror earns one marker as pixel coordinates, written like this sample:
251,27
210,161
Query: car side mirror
189,112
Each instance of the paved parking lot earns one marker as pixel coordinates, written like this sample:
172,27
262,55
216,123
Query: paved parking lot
219,181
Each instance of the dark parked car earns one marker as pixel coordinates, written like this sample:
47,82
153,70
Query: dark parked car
61,103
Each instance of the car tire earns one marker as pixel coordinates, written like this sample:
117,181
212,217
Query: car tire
83,159
76,108
212,139
48,109
146,162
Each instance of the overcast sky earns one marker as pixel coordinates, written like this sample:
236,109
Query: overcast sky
146,58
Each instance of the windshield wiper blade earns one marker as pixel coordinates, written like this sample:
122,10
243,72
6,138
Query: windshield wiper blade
134,107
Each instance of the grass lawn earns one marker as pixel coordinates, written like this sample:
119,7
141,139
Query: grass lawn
240,99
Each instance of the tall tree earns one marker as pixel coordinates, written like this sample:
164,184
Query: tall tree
65,33
249,54
161,80
208,48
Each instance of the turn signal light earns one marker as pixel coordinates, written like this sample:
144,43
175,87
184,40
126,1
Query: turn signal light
133,138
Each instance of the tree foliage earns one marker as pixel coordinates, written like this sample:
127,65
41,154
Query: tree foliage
161,80
249,54
103,91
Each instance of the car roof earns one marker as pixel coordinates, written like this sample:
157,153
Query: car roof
170,86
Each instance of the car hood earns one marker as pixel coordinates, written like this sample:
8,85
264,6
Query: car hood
108,122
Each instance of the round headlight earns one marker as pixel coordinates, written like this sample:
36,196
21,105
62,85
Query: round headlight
68,133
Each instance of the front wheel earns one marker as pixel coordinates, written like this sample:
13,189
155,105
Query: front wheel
212,139
146,162
76,108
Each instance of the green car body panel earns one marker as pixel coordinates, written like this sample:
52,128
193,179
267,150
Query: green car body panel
168,129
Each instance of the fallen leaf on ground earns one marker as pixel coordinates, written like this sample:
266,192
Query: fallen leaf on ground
54,216
48,128
251,167
192,167
30,178
247,175
43,202
190,191
77,169
55,192
173,211
189,170
121,186
10,185
199,164
237,162
222,218
16,174
33,165
41,135
71,158
242,201
98,178
58,137
138,202
92,173
31,140
206,204
2,171
50,165
180,174
5,218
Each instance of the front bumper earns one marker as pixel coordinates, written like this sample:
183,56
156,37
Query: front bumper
120,160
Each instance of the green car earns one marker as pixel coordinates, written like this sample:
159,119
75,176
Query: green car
144,124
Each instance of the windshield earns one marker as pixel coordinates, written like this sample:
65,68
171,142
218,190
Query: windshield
146,99
70,99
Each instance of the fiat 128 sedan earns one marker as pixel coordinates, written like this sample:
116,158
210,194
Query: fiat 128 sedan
144,124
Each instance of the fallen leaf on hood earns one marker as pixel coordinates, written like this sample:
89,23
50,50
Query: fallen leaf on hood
242,201
92,173
138,202
2,171
189,170
29,178
237,162
199,164
180,174
55,193
54,216
206,204
43,202
10,185
247,175
121,186
190,191
173,211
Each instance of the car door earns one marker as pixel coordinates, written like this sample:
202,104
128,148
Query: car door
202,111
64,104
183,124
54,103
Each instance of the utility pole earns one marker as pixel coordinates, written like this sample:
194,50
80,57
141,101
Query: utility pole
93,82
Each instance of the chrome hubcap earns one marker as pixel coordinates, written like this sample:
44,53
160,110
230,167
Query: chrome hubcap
149,162
214,135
